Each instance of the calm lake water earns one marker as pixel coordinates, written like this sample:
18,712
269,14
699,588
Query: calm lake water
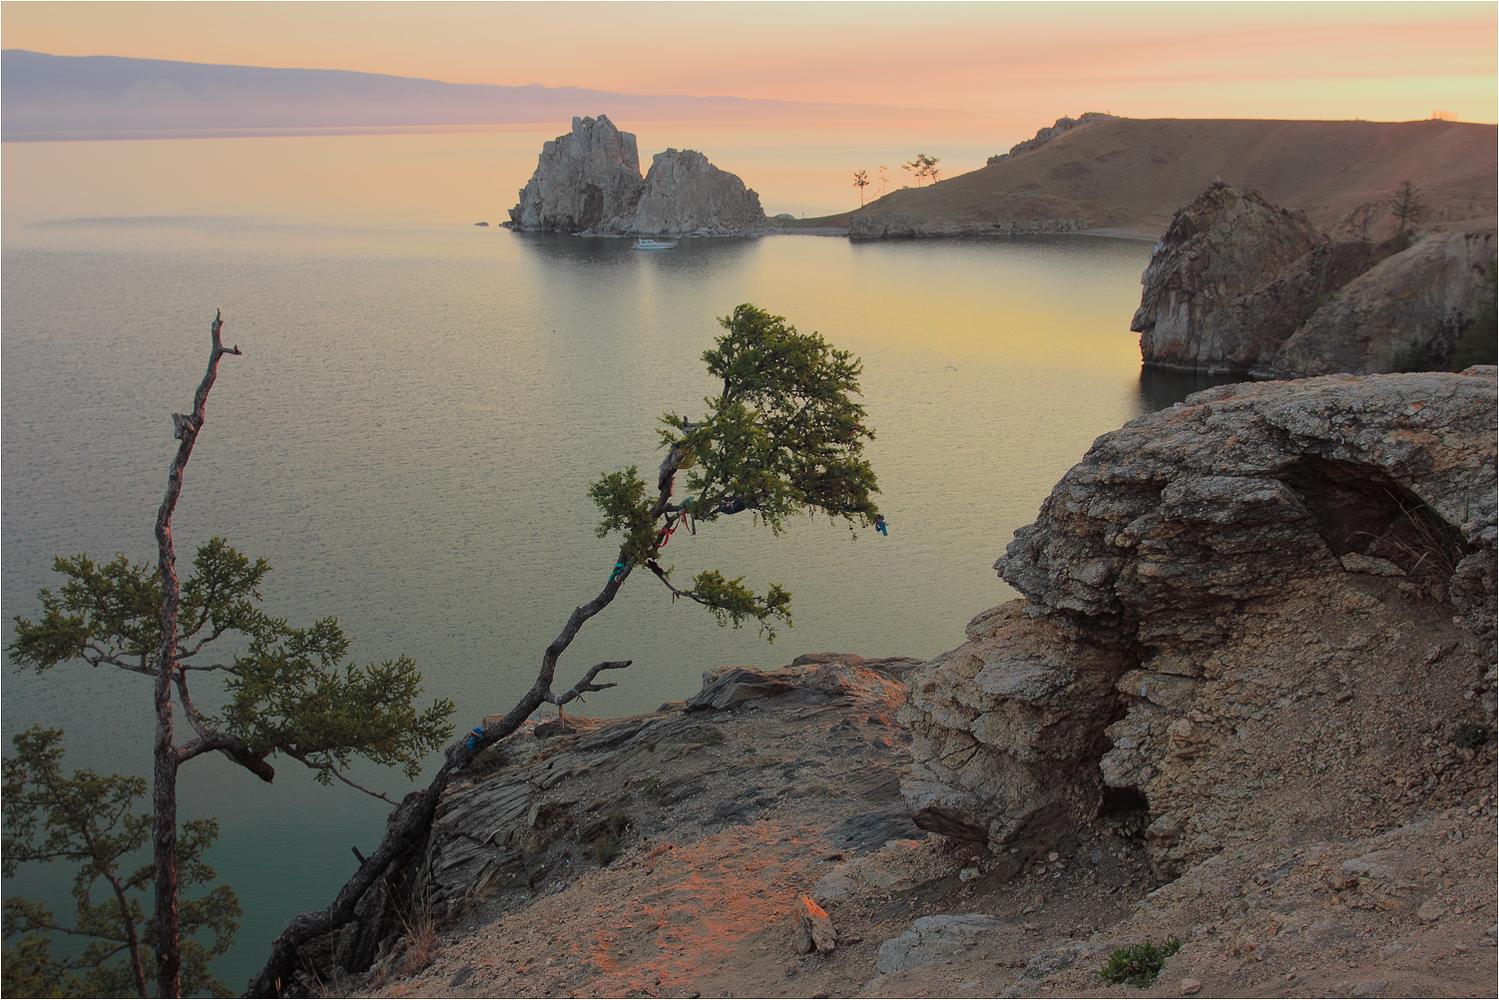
421,405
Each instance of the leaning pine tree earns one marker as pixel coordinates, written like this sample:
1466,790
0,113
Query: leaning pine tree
783,436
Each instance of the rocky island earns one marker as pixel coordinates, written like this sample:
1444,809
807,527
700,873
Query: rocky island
588,182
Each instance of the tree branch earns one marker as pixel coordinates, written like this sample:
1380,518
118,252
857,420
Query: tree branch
230,747
330,769
586,685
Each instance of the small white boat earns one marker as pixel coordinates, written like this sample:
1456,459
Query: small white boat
646,243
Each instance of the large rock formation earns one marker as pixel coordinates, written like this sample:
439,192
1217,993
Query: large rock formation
589,181
685,193
1306,564
1237,285
587,178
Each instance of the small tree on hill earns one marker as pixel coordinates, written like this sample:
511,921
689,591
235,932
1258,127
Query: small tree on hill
922,167
1407,207
285,693
884,179
781,436
861,181
916,167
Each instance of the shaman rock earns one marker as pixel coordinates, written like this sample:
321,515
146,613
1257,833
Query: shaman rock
684,193
589,181
584,179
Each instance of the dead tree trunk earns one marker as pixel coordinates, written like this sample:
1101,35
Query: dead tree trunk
164,792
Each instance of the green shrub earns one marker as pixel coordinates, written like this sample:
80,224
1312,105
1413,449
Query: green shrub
1138,964
606,850
711,737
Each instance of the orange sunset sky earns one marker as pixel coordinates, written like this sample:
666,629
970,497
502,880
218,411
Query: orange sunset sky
1006,62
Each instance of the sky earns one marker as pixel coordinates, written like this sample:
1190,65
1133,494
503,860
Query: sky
1013,62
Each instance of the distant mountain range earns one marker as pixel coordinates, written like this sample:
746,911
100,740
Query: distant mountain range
46,97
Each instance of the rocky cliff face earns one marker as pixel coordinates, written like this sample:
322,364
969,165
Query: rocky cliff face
589,181
685,193
1197,310
1426,294
1269,575
585,179
875,227
1239,285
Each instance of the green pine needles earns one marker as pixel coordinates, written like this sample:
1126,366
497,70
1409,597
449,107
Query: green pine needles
783,436
87,820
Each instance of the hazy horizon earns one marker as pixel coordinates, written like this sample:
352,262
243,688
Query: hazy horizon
1016,67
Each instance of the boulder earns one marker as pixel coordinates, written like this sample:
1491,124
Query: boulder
935,938
1253,568
589,181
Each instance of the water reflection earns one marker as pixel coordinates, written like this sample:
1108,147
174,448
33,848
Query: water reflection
688,254
1161,387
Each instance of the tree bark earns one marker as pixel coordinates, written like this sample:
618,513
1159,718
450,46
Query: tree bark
164,792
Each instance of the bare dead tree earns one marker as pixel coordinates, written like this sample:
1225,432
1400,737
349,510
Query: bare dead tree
167,755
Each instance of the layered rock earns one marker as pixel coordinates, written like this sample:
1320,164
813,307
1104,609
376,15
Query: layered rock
589,181
1239,285
585,179
1261,564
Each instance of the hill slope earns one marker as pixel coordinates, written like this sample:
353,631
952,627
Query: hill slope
1132,174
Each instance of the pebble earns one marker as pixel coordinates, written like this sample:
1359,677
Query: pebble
1189,987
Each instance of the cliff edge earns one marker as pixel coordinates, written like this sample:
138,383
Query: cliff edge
1247,701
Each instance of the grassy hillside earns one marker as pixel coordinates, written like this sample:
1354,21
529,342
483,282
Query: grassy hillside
1132,174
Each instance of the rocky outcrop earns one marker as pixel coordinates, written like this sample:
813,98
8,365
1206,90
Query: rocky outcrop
589,181
1197,310
684,193
1424,295
1045,135
1305,565
1239,285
